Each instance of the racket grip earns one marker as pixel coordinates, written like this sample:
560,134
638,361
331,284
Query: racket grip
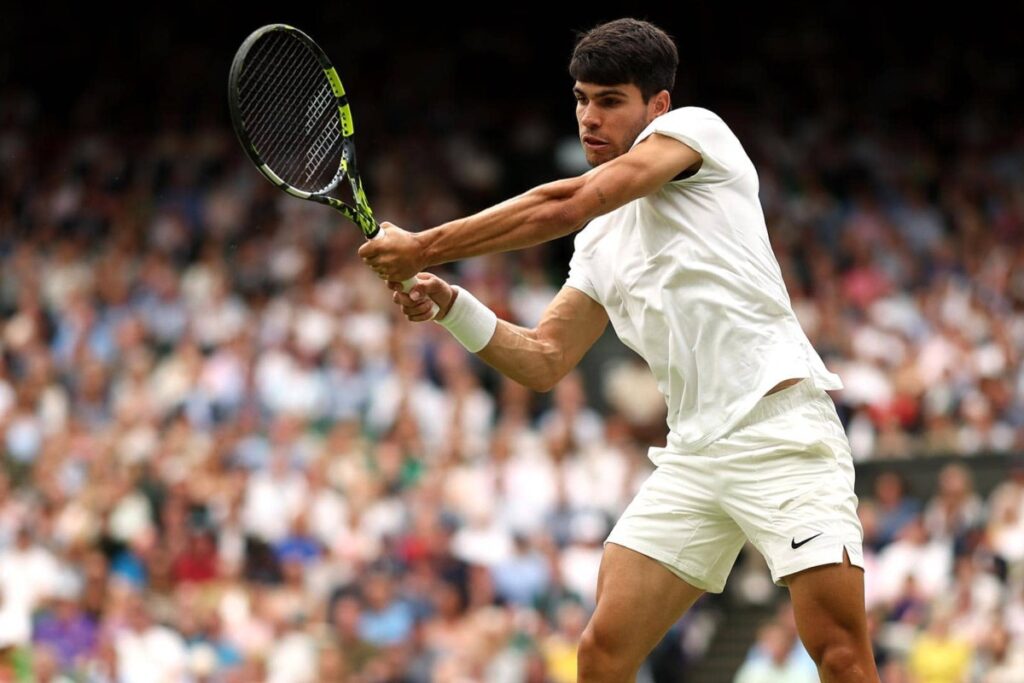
408,284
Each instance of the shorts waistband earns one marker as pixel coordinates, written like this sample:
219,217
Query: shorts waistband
779,402
766,408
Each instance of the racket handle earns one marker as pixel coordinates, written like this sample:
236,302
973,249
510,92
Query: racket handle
408,284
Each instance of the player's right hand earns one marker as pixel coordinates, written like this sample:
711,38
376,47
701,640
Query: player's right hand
417,303
397,255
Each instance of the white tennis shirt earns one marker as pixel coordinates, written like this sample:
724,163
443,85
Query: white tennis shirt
690,283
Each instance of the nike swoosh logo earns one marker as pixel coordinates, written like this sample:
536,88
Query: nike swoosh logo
794,545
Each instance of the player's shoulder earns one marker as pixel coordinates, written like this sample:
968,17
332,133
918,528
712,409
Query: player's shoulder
692,110
684,122
683,115
706,133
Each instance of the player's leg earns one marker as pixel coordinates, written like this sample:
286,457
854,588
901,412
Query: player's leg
828,604
788,482
638,599
672,543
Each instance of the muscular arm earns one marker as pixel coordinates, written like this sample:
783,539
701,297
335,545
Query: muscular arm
558,208
539,215
538,358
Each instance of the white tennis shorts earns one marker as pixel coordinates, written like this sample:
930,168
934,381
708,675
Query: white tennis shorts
783,478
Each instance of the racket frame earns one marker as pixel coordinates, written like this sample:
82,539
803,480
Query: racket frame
361,214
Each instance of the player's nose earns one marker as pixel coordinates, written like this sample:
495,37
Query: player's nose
589,117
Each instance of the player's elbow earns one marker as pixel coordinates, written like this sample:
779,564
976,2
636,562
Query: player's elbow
551,370
542,385
536,379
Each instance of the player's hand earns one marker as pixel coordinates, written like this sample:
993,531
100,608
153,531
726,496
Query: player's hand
417,303
397,256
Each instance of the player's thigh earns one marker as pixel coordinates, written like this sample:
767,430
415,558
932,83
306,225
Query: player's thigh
828,605
676,520
638,599
790,486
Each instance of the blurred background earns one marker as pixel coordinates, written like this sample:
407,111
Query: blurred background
226,457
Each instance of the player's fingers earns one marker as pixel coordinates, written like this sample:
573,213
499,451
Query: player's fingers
433,285
437,290
404,299
424,306
367,251
417,293
416,313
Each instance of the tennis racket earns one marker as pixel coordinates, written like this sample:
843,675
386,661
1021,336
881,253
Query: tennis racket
292,116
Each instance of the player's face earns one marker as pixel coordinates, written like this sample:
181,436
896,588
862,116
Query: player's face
610,118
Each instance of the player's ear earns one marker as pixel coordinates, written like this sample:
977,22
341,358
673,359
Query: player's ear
662,102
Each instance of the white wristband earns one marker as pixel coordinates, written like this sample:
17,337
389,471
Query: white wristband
469,321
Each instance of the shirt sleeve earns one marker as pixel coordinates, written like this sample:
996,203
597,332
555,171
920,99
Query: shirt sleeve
722,155
579,276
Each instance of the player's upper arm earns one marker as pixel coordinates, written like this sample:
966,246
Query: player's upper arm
653,162
540,357
570,325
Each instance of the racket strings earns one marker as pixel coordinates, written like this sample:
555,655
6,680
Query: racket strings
330,132
271,118
290,112
262,96
291,122
274,103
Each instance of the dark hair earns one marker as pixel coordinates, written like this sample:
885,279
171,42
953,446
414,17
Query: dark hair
626,51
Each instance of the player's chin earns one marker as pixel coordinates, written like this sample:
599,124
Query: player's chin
595,158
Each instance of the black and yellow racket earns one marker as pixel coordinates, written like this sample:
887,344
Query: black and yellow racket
292,116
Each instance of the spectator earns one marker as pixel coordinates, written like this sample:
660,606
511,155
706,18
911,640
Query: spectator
937,656
775,665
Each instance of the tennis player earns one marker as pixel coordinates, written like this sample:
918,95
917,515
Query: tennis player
676,254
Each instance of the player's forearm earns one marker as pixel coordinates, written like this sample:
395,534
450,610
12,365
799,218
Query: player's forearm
518,353
542,214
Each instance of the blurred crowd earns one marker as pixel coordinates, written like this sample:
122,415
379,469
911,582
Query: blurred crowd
226,457
944,586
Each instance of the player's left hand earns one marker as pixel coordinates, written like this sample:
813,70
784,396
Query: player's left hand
431,298
398,256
